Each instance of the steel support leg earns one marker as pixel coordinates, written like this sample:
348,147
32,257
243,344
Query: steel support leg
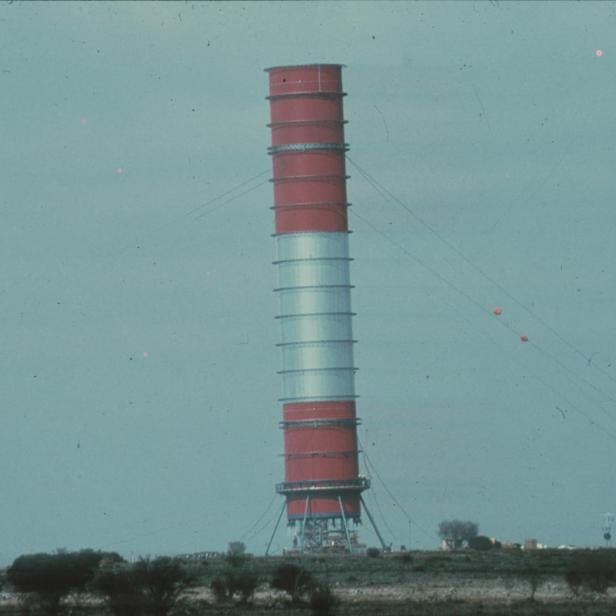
269,545
344,523
304,524
376,530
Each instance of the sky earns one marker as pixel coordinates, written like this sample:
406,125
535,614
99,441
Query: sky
138,386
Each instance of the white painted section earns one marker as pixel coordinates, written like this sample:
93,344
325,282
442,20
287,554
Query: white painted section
311,355
315,300
315,311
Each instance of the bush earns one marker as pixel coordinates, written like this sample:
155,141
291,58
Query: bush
236,553
233,583
52,576
221,588
596,570
162,581
323,601
121,590
292,579
574,581
481,543
373,552
531,572
236,548
150,587
456,532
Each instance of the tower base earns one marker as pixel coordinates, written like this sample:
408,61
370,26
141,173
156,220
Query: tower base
336,534
326,536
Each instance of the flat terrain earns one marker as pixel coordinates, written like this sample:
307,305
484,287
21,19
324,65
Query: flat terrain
422,583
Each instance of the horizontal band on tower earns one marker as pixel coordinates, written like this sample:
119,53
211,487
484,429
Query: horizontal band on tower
312,259
315,314
307,231
308,178
304,342
315,286
318,423
285,123
306,206
339,485
304,147
320,454
297,399
310,93
335,369
295,67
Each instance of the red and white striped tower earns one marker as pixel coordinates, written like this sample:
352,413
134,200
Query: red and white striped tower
322,483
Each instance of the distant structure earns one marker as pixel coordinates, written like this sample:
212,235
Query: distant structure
322,486
608,522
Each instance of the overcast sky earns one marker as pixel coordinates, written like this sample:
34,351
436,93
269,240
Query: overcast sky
138,386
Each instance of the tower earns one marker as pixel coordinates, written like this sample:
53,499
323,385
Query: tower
322,486
608,521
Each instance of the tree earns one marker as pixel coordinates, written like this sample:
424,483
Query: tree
49,577
121,590
292,579
150,587
594,569
162,581
481,543
323,601
234,582
531,572
236,553
236,548
456,532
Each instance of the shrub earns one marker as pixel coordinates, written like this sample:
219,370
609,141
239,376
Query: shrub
292,579
323,601
121,590
480,543
162,581
236,553
233,583
152,587
221,588
531,572
456,532
246,584
574,581
52,576
373,552
236,548
594,569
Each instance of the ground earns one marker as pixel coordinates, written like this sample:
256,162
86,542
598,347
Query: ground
418,583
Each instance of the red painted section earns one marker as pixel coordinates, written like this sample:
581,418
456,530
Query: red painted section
315,189
306,108
308,217
323,507
318,467
312,78
320,452
337,409
308,132
313,162
324,438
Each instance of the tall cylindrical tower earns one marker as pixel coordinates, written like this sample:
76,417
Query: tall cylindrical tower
322,483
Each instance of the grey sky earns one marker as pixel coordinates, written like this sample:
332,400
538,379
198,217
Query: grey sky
137,360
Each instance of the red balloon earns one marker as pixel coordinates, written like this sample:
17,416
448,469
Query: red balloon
524,338
498,310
